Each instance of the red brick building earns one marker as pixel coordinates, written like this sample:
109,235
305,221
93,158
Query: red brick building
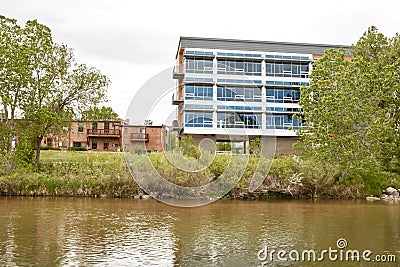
149,138
109,136
103,136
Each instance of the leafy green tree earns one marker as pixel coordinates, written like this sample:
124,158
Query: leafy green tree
100,114
14,77
351,106
187,147
255,146
40,80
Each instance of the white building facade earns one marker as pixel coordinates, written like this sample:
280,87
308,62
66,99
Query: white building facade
228,89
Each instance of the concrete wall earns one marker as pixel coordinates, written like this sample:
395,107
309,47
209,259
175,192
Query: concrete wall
284,146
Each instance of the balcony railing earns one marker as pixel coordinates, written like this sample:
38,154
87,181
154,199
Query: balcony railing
178,72
139,137
105,132
176,100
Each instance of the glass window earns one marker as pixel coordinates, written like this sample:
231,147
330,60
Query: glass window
239,67
282,121
198,119
278,121
270,121
199,65
278,69
238,120
80,127
106,127
278,95
287,69
49,141
296,70
269,69
283,95
304,70
237,93
94,127
76,144
198,92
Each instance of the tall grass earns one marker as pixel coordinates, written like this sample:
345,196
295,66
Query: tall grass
72,173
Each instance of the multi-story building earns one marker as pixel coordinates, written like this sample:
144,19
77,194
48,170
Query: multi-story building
109,136
144,137
90,135
101,135
243,86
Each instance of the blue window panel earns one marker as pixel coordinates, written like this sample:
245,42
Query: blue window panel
279,96
189,89
239,108
200,92
287,118
270,121
188,52
198,119
278,122
295,122
239,120
296,94
288,92
193,106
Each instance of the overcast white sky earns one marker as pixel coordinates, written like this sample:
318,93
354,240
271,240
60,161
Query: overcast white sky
130,41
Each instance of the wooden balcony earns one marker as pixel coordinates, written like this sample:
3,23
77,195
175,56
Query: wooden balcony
103,132
140,137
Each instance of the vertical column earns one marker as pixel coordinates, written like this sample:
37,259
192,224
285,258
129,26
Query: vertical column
263,95
215,75
215,93
215,89
215,119
263,69
215,65
264,121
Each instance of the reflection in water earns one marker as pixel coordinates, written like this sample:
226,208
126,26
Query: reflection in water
127,232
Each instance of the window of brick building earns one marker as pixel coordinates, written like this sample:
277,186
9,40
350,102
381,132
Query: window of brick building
49,141
106,127
80,127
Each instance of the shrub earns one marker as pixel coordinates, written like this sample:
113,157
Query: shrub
188,148
77,149
49,148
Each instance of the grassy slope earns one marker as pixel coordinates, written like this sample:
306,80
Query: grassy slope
100,173
72,174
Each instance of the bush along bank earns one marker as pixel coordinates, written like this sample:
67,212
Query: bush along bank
106,174
294,177
72,174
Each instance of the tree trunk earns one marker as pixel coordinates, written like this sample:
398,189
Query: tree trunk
37,146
